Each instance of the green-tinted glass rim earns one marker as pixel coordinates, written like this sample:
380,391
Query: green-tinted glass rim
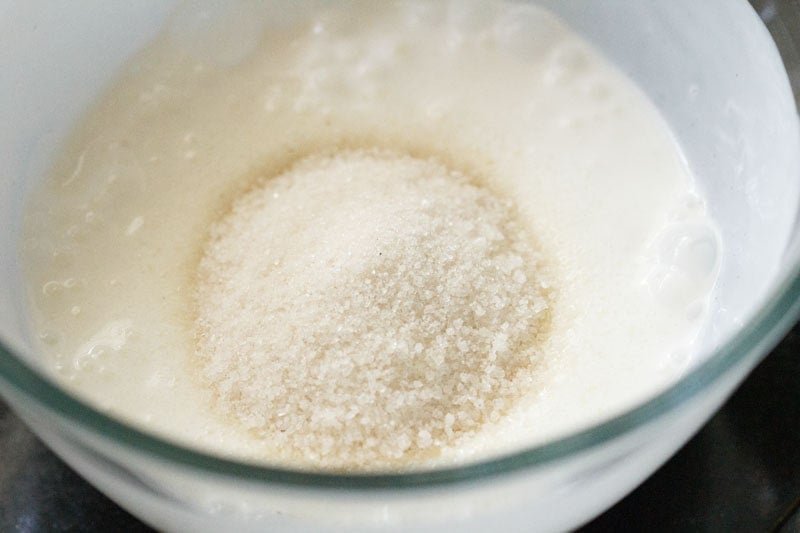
761,333
769,324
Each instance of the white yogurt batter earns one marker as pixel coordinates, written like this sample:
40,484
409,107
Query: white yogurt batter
502,92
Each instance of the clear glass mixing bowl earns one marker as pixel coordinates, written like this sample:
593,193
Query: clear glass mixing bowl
54,58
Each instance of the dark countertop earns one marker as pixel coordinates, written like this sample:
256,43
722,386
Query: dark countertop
740,473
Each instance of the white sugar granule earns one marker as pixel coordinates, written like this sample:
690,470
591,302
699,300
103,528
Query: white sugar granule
366,309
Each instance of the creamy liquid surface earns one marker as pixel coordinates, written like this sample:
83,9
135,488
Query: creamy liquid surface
504,93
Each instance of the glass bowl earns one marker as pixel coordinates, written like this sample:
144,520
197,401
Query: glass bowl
715,73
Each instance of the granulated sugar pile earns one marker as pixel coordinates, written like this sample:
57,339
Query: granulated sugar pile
366,308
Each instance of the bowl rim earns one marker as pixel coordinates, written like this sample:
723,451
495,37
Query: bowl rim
777,314
750,343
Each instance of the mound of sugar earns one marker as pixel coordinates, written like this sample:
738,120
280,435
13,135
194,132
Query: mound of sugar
365,308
